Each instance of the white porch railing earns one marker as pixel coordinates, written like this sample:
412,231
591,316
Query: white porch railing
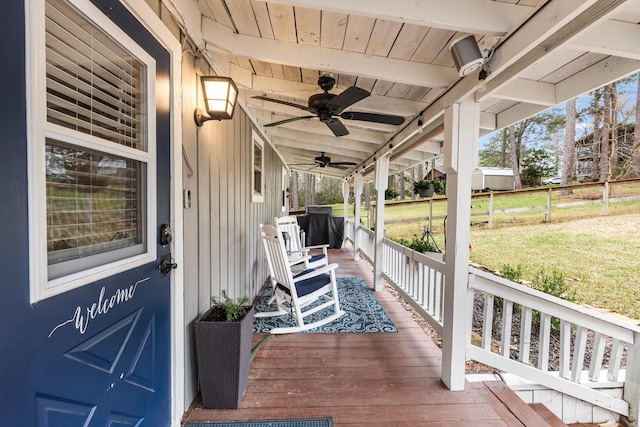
420,280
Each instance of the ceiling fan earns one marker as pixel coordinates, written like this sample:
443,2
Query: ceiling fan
328,107
323,161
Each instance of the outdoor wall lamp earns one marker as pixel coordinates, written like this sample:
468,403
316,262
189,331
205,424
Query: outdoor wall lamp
220,95
466,55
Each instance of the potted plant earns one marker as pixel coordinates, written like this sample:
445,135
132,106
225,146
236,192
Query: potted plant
223,350
424,188
428,187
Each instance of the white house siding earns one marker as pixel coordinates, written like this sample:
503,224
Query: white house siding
222,249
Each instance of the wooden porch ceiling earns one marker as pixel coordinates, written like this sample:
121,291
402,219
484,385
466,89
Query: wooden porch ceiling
544,52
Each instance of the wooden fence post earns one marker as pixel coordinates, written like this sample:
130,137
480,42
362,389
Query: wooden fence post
605,199
491,210
548,216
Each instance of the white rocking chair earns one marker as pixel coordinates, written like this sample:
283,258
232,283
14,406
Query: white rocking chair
295,293
297,249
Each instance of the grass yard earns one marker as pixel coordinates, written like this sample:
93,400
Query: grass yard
599,255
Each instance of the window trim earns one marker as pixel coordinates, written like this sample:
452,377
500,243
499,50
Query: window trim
257,197
38,129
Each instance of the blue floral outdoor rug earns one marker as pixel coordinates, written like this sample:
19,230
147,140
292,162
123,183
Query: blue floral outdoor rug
363,312
310,422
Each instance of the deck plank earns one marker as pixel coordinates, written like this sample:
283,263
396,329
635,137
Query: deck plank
372,379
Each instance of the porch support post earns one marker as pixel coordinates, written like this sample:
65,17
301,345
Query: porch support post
461,121
357,191
345,204
632,381
381,184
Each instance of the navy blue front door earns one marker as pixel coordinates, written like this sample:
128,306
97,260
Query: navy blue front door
99,355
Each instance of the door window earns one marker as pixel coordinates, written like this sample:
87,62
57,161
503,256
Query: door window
92,150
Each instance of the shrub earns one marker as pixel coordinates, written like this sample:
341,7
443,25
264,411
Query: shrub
512,273
418,244
391,193
553,283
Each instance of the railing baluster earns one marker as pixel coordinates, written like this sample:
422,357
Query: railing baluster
543,342
525,335
565,349
507,318
614,360
595,364
439,298
487,323
579,348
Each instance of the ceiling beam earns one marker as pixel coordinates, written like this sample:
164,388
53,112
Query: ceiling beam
611,38
528,91
487,121
218,36
471,16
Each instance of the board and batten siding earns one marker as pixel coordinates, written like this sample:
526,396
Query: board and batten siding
222,246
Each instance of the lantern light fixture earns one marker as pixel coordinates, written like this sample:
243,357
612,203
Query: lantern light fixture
220,96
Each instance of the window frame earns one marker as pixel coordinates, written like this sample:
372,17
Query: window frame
39,130
256,140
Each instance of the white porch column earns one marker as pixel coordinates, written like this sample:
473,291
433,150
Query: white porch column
357,192
345,212
381,184
461,121
632,381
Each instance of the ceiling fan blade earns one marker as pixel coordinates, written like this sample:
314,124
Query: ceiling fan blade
280,101
388,119
347,98
292,119
337,166
336,127
342,164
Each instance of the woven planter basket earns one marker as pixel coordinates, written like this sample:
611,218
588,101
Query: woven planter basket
223,350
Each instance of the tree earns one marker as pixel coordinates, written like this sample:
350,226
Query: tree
605,140
635,153
329,191
536,164
515,157
293,186
569,149
309,189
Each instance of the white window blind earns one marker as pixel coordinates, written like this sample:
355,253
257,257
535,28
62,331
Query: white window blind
93,84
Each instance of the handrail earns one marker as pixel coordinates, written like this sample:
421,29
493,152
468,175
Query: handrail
585,327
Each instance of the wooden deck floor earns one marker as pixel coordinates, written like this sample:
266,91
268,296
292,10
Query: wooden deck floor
367,379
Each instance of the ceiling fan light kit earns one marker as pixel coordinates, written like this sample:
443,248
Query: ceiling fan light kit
466,55
329,107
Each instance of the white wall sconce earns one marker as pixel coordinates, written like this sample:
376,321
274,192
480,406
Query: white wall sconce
466,55
220,95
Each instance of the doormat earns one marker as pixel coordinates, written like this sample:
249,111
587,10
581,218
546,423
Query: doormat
308,422
363,312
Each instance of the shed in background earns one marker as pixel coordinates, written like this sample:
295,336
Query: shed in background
492,179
